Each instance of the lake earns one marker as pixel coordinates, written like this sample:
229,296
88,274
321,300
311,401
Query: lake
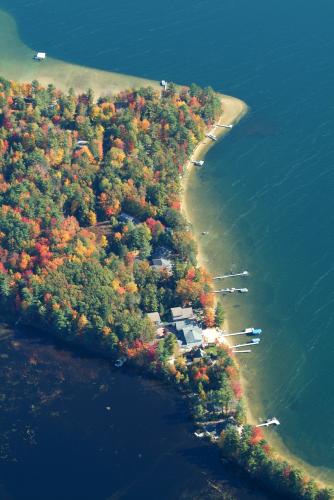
73,427
266,192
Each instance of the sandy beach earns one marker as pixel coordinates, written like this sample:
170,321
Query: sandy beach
233,111
17,63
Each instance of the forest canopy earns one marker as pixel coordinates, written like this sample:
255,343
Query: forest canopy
89,194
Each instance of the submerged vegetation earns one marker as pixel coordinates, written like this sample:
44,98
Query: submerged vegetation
92,239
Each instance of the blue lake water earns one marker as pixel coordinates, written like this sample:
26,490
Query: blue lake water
267,192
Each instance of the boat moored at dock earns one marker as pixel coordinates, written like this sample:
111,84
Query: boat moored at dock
246,331
253,331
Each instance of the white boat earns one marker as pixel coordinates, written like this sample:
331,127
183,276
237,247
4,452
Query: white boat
120,362
198,163
254,331
199,434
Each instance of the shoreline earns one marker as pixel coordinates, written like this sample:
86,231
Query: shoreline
16,63
234,110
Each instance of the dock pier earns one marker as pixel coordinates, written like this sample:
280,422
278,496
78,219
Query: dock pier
270,421
231,290
223,125
246,331
234,275
254,342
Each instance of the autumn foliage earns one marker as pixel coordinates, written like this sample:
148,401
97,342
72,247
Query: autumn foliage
70,167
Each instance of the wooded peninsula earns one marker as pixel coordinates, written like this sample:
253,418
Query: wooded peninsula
94,248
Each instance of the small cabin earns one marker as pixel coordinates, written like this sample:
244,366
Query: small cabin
154,317
40,56
162,264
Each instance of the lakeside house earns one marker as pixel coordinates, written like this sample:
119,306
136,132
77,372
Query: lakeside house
155,319
182,313
124,217
192,336
196,355
188,332
163,265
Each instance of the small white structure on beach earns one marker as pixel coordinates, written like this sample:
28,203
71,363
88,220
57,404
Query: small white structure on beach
40,56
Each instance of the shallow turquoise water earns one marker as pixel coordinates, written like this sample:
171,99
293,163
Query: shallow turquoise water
267,191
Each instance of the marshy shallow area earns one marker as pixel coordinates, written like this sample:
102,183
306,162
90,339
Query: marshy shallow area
74,427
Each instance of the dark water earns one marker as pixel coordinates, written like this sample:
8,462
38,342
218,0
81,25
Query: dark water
72,427
267,192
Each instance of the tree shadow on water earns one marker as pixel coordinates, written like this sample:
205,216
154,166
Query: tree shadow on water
207,457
